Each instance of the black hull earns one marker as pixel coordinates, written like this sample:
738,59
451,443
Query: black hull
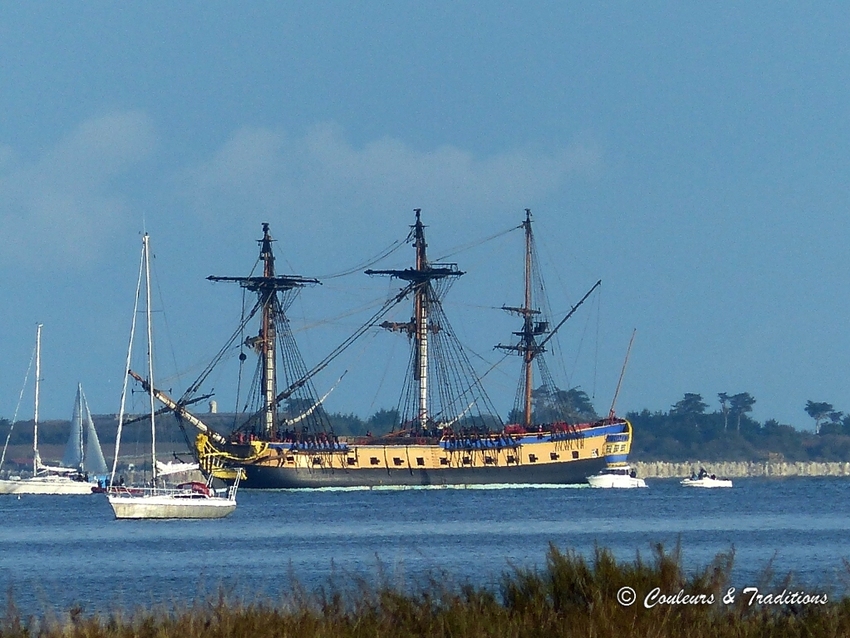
566,473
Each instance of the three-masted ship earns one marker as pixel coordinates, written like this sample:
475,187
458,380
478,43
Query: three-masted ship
448,431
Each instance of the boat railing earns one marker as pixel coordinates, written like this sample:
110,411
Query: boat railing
483,443
324,446
189,490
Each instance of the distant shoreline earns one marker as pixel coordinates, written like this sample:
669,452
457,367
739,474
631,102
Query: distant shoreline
741,469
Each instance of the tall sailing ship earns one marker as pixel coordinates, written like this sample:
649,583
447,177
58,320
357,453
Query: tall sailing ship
449,433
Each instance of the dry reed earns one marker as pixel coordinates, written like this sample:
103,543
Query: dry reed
569,596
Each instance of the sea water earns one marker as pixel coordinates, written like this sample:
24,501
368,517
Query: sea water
57,552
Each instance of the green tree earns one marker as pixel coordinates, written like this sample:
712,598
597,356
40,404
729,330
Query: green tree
724,408
383,421
551,405
579,403
818,410
740,404
691,405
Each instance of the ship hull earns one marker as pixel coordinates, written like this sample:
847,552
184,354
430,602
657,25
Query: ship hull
567,473
560,457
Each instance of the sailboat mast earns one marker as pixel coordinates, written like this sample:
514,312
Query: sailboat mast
267,335
79,413
127,366
146,252
36,460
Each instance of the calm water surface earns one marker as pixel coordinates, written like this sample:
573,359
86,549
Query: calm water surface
56,552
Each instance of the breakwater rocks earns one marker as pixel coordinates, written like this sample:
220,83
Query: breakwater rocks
733,469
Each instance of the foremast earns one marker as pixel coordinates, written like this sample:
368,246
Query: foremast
420,277
267,287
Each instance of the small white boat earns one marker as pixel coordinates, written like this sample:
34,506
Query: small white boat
156,500
71,478
704,479
616,476
187,500
46,484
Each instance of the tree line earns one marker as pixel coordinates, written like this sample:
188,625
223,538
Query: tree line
688,430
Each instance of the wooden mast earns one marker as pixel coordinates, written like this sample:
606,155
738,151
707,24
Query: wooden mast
418,327
267,287
421,314
528,336
527,347
267,334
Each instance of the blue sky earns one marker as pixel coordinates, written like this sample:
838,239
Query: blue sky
693,157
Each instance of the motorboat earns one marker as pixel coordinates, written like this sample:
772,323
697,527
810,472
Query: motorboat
704,479
619,476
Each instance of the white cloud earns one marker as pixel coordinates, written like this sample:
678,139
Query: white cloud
266,172
64,203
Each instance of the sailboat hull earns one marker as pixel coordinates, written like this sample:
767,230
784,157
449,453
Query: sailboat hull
166,506
45,485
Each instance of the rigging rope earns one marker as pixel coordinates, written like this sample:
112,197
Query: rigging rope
306,378
194,387
17,407
350,340
386,252
474,244
167,329
242,356
323,322
127,370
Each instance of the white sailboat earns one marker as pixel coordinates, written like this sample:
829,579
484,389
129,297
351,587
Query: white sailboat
45,479
157,501
83,451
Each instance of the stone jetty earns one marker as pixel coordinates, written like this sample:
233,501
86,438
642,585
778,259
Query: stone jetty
733,469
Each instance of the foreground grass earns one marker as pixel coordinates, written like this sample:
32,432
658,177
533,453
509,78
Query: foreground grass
570,596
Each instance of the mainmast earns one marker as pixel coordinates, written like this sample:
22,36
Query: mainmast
527,346
267,288
36,459
149,326
79,424
420,277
